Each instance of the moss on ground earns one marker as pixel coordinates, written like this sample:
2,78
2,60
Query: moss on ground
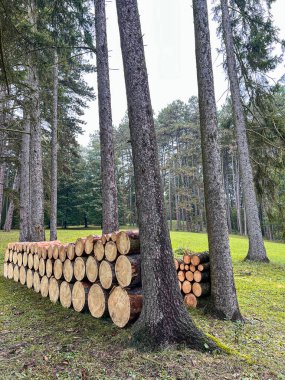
39,340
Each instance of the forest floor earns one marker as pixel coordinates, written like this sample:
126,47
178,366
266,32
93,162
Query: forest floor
39,340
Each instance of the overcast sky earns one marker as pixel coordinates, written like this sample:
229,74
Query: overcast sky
168,31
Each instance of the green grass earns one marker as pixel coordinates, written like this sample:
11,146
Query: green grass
39,340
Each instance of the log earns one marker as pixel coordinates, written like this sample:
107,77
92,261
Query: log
128,242
111,251
51,245
204,267
10,271
53,289
186,258
5,272
49,267
91,269
20,259
6,255
186,267
37,282
99,250
89,243
177,263
65,292
62,253
36,262
11,255
180,285
107,274
44,286
192,268
114,236
80,296
190,300
30,278
55,251
25,259
23,275
30,261
71,251
181,275
44,252
201,288
42,267
98,301
16,273
15,257
128,270
68,271
58,269
200,258
186,287
79,246
201,276
182,266
124,305
80,268
189,276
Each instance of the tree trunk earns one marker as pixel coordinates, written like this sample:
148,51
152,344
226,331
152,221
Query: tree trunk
36,168
256,250
53,200
2,178
109,186
9,216
224,300
25,216
164,319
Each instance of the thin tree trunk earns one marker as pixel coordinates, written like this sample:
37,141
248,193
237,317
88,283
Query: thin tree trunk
53,203
170,200
109,186
2,178
36,168
25,216
164,319
223,292
256,250
9,217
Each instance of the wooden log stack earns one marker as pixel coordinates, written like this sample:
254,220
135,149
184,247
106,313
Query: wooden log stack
99,274
193,272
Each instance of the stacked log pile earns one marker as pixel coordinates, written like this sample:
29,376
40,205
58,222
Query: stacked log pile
99,274
193,272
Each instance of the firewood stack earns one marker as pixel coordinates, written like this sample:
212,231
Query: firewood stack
193,272
97,273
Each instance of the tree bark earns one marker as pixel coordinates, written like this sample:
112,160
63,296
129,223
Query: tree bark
109,186
25,216
256,251
9,217
164,319
224,299
36,169
53,201
2,178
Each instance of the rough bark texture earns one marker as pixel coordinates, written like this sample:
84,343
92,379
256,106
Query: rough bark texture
2,177
25,216
109,187
9,217
36,169
164,319
53,199
224,299
256,249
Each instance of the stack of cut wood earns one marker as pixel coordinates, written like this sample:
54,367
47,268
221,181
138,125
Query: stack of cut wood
97,273
193,272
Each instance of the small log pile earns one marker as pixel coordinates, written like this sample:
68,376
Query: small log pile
99,274
193,272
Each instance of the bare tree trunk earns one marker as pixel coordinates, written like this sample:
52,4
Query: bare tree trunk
256,250
109,186
223,292
164,319
53,203
9,217
36,169
25,215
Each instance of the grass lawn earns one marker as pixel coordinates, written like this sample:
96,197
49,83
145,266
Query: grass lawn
39,340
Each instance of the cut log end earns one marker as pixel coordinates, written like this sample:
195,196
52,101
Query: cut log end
127,270
91,269
111,251
80,296
79,268
190,300
53,289
65,294
128,242
44,286
106,274
97,301
99,250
